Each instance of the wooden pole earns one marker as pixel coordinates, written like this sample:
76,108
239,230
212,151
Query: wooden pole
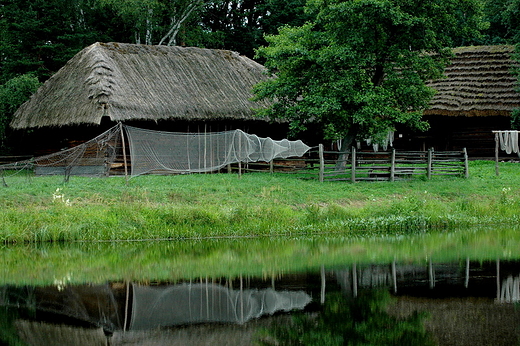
205,148
392,166
127,303
429,164
323,284
394,276
354,158
354,281
431,274
123,143
466,282
496,153
498,279
240,158
466,165
322,163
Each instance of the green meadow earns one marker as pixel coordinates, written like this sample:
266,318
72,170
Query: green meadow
47,209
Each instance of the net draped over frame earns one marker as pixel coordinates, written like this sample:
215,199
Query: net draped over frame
157,151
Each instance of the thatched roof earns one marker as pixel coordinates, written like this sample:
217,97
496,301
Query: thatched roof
139,82
479,82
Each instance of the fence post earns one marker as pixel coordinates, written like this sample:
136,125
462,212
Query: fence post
430,164
496,153
353,170
271,166
392,166
466,166
322,163
123,144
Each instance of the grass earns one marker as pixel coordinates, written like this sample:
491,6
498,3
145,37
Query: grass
45,209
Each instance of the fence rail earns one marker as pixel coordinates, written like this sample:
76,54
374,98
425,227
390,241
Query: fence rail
357,165
390,165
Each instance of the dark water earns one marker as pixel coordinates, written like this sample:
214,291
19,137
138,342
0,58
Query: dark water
459,303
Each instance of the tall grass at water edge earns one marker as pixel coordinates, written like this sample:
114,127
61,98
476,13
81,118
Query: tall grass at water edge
36,209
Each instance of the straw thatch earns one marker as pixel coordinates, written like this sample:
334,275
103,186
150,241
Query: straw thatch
138,82
479,82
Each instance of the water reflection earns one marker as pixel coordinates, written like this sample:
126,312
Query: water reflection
459,303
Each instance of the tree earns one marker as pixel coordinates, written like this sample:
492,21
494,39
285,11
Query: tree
154,21
12,94
504,21
40,36
240,25
359,67
178,13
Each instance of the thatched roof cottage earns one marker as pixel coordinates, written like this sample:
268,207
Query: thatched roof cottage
479,82
137,82
477,96
183,89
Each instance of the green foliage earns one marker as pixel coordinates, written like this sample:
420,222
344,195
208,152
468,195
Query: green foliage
12,94
239,25
504,23
40,36
360,67
358,321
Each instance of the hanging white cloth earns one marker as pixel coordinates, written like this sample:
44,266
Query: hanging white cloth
509,141
387,141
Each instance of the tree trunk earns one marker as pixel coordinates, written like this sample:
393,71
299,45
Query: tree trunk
346,144
177,21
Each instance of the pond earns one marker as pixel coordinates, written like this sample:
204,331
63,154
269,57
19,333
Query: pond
456,288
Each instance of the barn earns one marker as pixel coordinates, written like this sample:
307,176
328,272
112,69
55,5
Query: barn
476,97
181,89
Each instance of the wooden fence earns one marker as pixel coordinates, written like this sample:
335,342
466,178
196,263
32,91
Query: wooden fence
357,165
390,165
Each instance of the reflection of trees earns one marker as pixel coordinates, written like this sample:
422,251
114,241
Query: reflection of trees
8,332
343,321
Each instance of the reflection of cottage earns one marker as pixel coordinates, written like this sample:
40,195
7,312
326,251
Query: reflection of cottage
477,96
168,88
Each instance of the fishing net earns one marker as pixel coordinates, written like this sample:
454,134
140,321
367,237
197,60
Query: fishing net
175,152
157,152
92,158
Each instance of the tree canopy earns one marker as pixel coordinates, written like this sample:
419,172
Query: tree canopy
360,67
12,94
